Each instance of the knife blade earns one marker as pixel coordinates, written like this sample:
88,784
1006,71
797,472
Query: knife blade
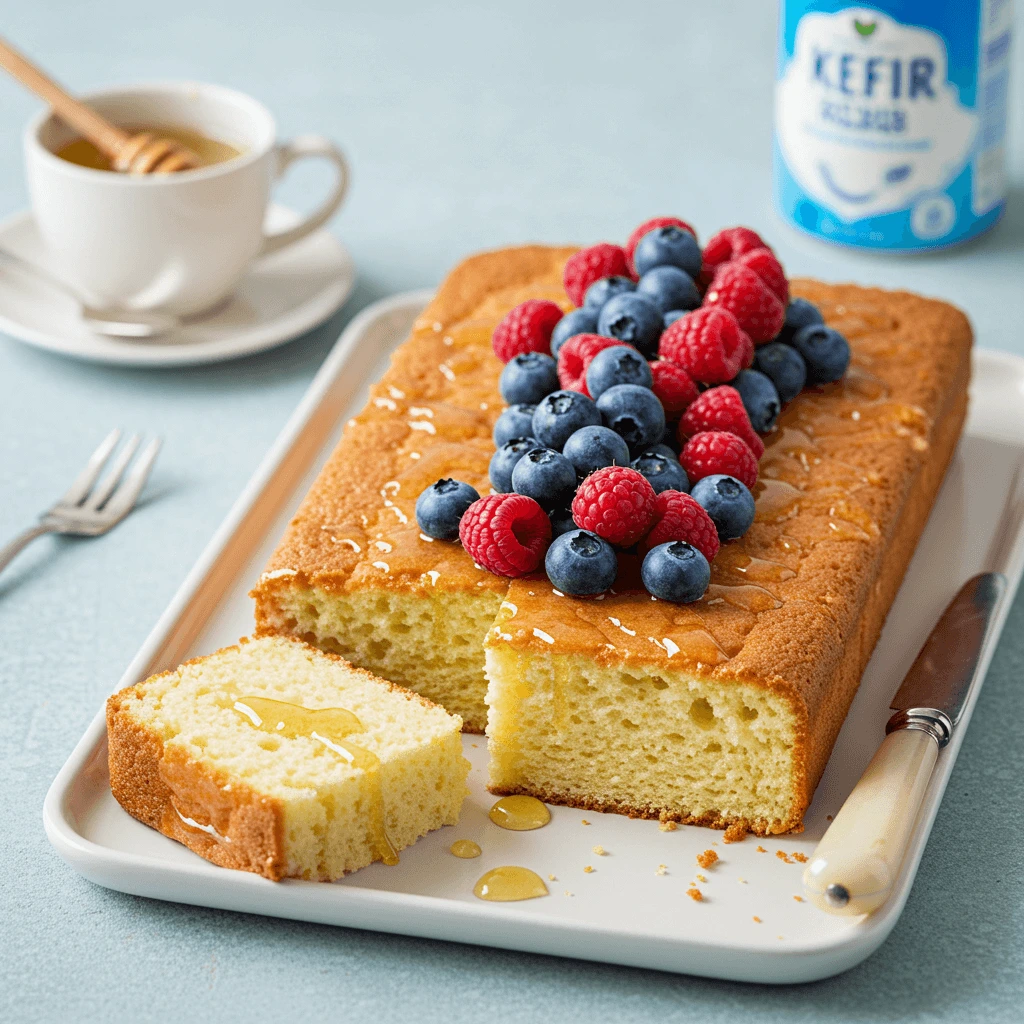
941,678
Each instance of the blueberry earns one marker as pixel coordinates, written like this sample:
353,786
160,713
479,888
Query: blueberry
515,421
634,319
676,571
760,399
562,414
666,451
668,246
826,353
728,502
578,321
669,318
504,460
799,313
784,366
605,288
580,562
593,448
670,289
663,472
561,521
634,413
546,476
440,507
528,377
620,364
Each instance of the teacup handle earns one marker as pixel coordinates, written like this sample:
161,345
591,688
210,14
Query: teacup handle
287,154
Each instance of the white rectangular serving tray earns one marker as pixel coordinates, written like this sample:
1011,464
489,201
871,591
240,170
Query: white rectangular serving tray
627,910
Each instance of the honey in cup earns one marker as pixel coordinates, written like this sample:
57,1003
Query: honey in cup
209,151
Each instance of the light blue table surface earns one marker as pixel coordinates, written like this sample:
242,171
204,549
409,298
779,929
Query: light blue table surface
470,125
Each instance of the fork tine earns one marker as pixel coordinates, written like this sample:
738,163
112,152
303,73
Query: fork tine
127,494
90,474
112,478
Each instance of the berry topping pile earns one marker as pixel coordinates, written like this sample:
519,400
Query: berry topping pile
634,421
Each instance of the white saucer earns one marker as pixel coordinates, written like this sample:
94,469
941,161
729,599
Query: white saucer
281,297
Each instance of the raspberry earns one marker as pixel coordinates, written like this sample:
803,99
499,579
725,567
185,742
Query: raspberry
574,358
727,245
717,451
616,503
707,343
738,289
650,225
526,328
507,534
746,352
673,387
677,516
721,408
589,265
763,262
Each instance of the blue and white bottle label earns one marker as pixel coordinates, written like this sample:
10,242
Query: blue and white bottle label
890,132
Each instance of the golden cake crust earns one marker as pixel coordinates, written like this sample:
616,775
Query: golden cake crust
161,786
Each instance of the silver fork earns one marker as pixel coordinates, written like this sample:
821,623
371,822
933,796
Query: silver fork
90,508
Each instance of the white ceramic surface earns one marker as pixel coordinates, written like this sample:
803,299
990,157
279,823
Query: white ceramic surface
174,242
624,911
280,297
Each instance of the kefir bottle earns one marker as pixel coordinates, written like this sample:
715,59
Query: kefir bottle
890,120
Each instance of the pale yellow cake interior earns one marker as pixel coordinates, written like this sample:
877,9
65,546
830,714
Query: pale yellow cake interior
641,739
434,646
329,807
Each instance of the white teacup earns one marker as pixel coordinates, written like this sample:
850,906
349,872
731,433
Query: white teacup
174,242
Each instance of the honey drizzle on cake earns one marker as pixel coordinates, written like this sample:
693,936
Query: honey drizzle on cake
331,727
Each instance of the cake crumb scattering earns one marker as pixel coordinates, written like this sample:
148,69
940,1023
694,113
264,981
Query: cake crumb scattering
799,899
695,894
757,920
567,893
783,856
551,878
707,858
583,821
701,878
761,849
800,858
588,870
599,850
742,881
735,833
662,869
667,826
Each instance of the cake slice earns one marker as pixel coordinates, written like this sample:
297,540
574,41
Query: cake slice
276,758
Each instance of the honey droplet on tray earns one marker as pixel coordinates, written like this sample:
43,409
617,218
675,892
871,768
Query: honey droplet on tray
519,814
465,849
508,884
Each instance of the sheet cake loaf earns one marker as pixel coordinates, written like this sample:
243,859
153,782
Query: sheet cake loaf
721,712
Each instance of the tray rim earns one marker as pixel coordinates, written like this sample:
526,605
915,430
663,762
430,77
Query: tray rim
431,916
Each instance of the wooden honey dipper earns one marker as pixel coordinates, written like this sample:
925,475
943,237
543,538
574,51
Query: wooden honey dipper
131,154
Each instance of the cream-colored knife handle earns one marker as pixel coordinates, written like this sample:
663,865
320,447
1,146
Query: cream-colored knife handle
859,857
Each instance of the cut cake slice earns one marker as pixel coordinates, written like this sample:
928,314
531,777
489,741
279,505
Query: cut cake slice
276,758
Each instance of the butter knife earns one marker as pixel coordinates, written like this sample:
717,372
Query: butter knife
858,859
